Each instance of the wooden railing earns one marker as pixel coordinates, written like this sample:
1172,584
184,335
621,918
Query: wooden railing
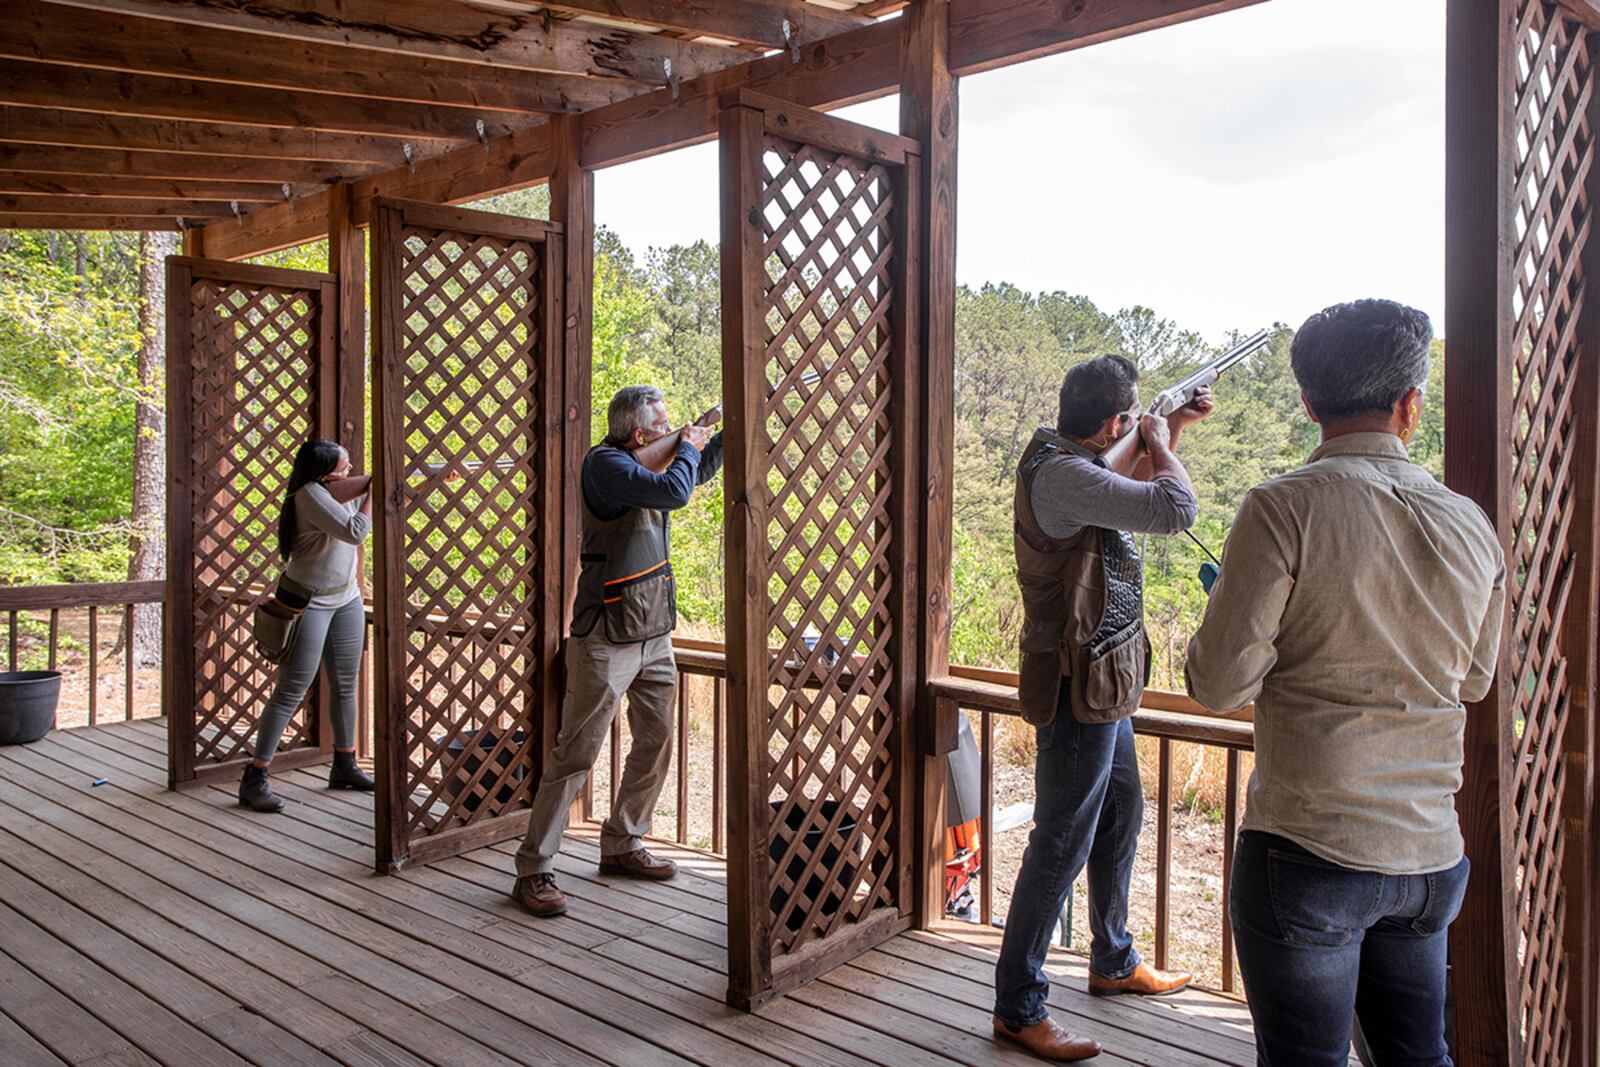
15,602
1168,717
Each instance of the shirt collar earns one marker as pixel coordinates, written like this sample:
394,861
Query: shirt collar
1377,443
1067,444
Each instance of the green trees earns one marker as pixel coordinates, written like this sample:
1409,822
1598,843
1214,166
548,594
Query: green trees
71,387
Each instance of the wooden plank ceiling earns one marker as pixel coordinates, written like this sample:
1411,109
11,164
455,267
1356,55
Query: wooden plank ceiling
122,114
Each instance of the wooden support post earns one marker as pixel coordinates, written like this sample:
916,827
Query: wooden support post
928,114
572,206
1478,125
194,242
347,261
1580,640
744,386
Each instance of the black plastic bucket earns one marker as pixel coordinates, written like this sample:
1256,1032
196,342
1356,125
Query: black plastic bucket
814,887
28,702
466,765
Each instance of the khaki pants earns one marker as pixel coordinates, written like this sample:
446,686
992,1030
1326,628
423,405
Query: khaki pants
598,674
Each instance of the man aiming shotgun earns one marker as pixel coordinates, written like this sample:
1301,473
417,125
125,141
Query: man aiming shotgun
621,643
1084,663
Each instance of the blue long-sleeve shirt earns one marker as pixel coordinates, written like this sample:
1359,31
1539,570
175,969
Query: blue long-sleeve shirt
614,481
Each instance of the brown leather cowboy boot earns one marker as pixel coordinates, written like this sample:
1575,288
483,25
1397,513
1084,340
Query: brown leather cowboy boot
1050,1041
1145,981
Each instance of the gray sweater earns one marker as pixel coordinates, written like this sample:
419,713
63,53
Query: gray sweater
326,546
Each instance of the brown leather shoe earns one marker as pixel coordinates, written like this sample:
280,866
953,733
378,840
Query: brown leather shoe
1049,1041
638,864
1145,981
538,894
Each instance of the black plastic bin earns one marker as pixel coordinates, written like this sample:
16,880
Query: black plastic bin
28,702
466,765
830,856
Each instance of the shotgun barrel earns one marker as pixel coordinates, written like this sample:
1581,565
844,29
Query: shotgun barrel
1125,452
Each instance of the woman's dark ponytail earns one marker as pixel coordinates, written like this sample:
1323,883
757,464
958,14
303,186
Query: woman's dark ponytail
316,459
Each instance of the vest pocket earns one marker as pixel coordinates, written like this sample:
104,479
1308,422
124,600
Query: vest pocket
640,609
1112,678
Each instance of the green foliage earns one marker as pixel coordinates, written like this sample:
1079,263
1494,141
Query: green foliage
69,334
68,385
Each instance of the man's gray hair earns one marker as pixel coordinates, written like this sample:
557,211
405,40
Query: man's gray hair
630,411
1361,358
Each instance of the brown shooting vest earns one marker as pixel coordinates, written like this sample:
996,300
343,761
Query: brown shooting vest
626,576
1082,608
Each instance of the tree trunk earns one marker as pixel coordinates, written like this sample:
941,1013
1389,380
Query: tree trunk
82,265
150,441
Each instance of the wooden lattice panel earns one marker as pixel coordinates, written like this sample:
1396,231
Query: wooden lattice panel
462,423
830,717
251,365
1551,215
826,634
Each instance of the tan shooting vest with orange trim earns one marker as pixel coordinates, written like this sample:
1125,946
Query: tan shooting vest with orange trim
1082,609
626,577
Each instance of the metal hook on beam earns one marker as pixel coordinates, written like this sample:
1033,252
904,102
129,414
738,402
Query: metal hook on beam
483,136
234,204
672,79
288,194
411,156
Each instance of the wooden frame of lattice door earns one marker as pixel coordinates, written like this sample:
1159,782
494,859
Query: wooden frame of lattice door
1522,392
251,373
822,383
467,435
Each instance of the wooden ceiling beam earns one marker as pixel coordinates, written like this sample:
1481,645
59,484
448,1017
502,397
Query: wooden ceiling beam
253,193
860,65
985,34
42,126
107,162
755,22
148,96
86,222
29,204
445,29
49,33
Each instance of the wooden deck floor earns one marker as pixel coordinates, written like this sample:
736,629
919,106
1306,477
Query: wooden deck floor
140,926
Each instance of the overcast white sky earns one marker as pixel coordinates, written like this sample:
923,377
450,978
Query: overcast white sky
1241,170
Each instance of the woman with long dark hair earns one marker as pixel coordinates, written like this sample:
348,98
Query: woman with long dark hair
327,513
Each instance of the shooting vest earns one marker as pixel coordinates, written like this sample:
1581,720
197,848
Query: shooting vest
626,577
1082,610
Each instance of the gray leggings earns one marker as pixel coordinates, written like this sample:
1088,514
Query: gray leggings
332,636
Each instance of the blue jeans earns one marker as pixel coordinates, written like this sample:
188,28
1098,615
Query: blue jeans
1321,944
1088,808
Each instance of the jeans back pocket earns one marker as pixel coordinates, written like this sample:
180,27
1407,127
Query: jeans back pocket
1319,903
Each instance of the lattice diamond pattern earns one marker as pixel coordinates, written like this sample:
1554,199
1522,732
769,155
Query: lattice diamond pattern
470,359
254,355
1554,153
831,727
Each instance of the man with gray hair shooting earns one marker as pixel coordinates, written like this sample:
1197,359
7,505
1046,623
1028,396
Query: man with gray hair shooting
621,640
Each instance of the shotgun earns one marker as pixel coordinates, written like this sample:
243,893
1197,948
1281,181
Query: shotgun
659,454
1126,451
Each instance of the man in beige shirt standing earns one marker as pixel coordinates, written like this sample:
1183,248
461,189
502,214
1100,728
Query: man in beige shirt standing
1359,605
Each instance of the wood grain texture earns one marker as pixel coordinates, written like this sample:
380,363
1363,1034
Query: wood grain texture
118,42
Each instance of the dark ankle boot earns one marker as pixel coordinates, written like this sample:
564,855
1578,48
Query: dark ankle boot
344,774
255,793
